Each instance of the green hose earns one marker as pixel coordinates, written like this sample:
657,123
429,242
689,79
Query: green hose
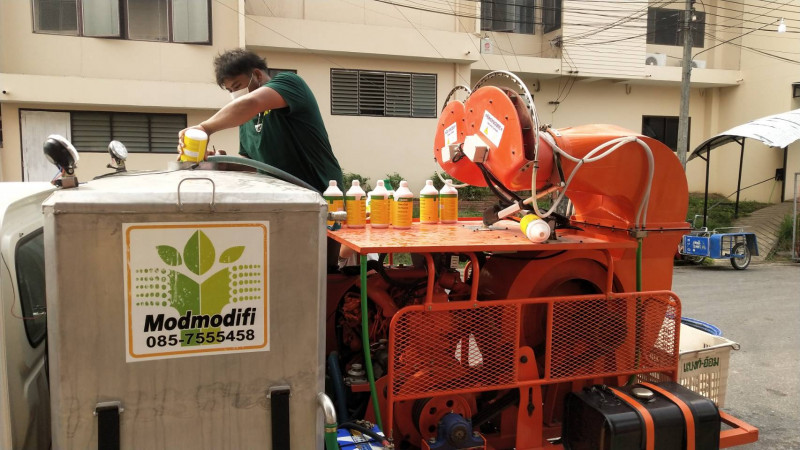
258,165
632,378
365,341
331,442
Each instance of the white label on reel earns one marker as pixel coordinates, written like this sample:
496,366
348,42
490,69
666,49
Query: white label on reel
492,128
450,134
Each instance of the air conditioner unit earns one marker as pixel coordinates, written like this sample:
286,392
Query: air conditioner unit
698,64
656,59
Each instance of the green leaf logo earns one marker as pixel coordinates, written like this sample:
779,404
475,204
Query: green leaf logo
169,255
232,254
173,287
199,253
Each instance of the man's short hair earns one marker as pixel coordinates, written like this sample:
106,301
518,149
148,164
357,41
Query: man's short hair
237,62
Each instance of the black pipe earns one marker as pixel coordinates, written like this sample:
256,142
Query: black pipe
340,400
739,183
363,430
785,174
705,202
488,413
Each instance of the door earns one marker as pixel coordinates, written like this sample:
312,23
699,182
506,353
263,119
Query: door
23,324
36,126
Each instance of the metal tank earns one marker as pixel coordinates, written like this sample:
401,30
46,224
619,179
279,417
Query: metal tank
185,312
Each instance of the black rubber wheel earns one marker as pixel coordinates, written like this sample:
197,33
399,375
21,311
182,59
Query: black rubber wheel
743,261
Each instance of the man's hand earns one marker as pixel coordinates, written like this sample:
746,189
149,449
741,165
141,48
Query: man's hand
180,138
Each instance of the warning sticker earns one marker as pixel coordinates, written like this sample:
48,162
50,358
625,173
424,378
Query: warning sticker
450,134
195,289
492,128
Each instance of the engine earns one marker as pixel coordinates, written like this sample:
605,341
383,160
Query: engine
478,349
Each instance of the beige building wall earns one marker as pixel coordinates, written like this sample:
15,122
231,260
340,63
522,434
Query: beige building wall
314,36
766,89
55,72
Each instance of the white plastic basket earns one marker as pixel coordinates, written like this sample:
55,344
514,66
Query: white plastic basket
704,362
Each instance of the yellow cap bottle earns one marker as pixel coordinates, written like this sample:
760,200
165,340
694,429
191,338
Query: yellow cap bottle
403,206
194,145
334,198
379,206
356,206
534,228
448,203
429,204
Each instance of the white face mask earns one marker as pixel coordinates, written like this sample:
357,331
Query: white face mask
244,90
239,93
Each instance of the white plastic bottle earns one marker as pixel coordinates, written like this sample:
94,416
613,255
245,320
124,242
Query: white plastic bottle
429,204
403,206
379,206
356,205
534,228
448,203
334,198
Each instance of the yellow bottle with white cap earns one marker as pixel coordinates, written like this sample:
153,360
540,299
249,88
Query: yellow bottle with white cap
194,145
429,204
379,206
356,206
448,203
403,206
534,228
334,198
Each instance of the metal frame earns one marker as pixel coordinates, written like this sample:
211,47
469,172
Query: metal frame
795,250
363,242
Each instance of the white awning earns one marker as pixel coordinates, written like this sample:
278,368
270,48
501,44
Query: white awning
777,131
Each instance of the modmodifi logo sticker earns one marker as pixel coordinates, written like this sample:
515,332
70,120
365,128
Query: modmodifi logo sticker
195,289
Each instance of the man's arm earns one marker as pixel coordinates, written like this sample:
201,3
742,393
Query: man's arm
239,111
243,109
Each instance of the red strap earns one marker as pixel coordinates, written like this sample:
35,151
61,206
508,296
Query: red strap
649,429
687,413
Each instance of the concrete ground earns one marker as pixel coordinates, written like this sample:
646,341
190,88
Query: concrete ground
760,309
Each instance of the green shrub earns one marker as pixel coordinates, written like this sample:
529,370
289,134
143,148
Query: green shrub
720,210
784,243
394,178
348,181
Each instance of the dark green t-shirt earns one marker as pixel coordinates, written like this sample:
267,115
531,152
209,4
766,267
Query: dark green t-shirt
294,138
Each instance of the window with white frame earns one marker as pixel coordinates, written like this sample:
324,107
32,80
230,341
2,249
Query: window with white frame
511,16
140,132
184,21
388,94
665,27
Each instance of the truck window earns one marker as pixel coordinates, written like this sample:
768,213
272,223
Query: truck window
29,257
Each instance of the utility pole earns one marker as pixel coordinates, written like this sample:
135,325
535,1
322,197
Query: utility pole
686,66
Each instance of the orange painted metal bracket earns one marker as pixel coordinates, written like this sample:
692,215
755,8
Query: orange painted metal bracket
740,432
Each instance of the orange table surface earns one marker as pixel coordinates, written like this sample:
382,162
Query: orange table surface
464,236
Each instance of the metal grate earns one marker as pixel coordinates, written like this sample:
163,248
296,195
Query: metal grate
600,337
466,347
444,351
795,221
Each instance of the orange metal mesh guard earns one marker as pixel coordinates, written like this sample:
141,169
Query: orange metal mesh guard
623,334
453,350
470,347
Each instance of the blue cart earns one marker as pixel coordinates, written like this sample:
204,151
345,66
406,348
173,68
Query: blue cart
724,243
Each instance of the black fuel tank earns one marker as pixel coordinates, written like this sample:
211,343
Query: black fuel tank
599,419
